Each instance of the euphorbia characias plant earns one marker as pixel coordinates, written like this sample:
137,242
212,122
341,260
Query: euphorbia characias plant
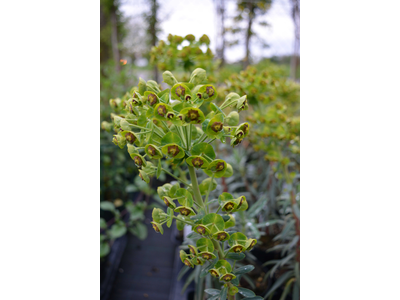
169,124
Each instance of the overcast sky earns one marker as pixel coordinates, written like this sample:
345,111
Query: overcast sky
182,17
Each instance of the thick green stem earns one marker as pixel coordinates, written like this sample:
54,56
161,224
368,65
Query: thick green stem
208,193
195,187
189,137
218,247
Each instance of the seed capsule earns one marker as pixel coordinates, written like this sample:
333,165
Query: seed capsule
217,126
197,162
193,114
162,110
138,161
214,273
180,91
152,99
130,137
173,150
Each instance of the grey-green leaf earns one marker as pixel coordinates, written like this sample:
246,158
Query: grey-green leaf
246,292
244,269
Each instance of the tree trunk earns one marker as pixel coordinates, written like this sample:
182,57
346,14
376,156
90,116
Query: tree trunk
295,59
246,60
221,31
114,40
153,30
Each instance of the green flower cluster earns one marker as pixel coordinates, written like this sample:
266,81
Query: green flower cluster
185,52
156,124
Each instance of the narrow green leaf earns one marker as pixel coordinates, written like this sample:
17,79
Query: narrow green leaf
224,292
282,279
246,292
244,269
236,256
212,292
182,272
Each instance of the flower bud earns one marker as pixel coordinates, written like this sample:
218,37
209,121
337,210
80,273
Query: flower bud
169,78
232,119
198,76
106,126
142,86
205,39
190,37
233,290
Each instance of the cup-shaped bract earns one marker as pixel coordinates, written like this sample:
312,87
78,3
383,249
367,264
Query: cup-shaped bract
193,249
153,151
157,227
208,92
215,126
151,98
144,176
250,244
221,236
185,211
214,222
173,151
130,136
192,115
242,204
197,162
201,229
138,160
237,242
163,112
169,202
242,104
218,167
205,248
185,259
227,202
178,91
